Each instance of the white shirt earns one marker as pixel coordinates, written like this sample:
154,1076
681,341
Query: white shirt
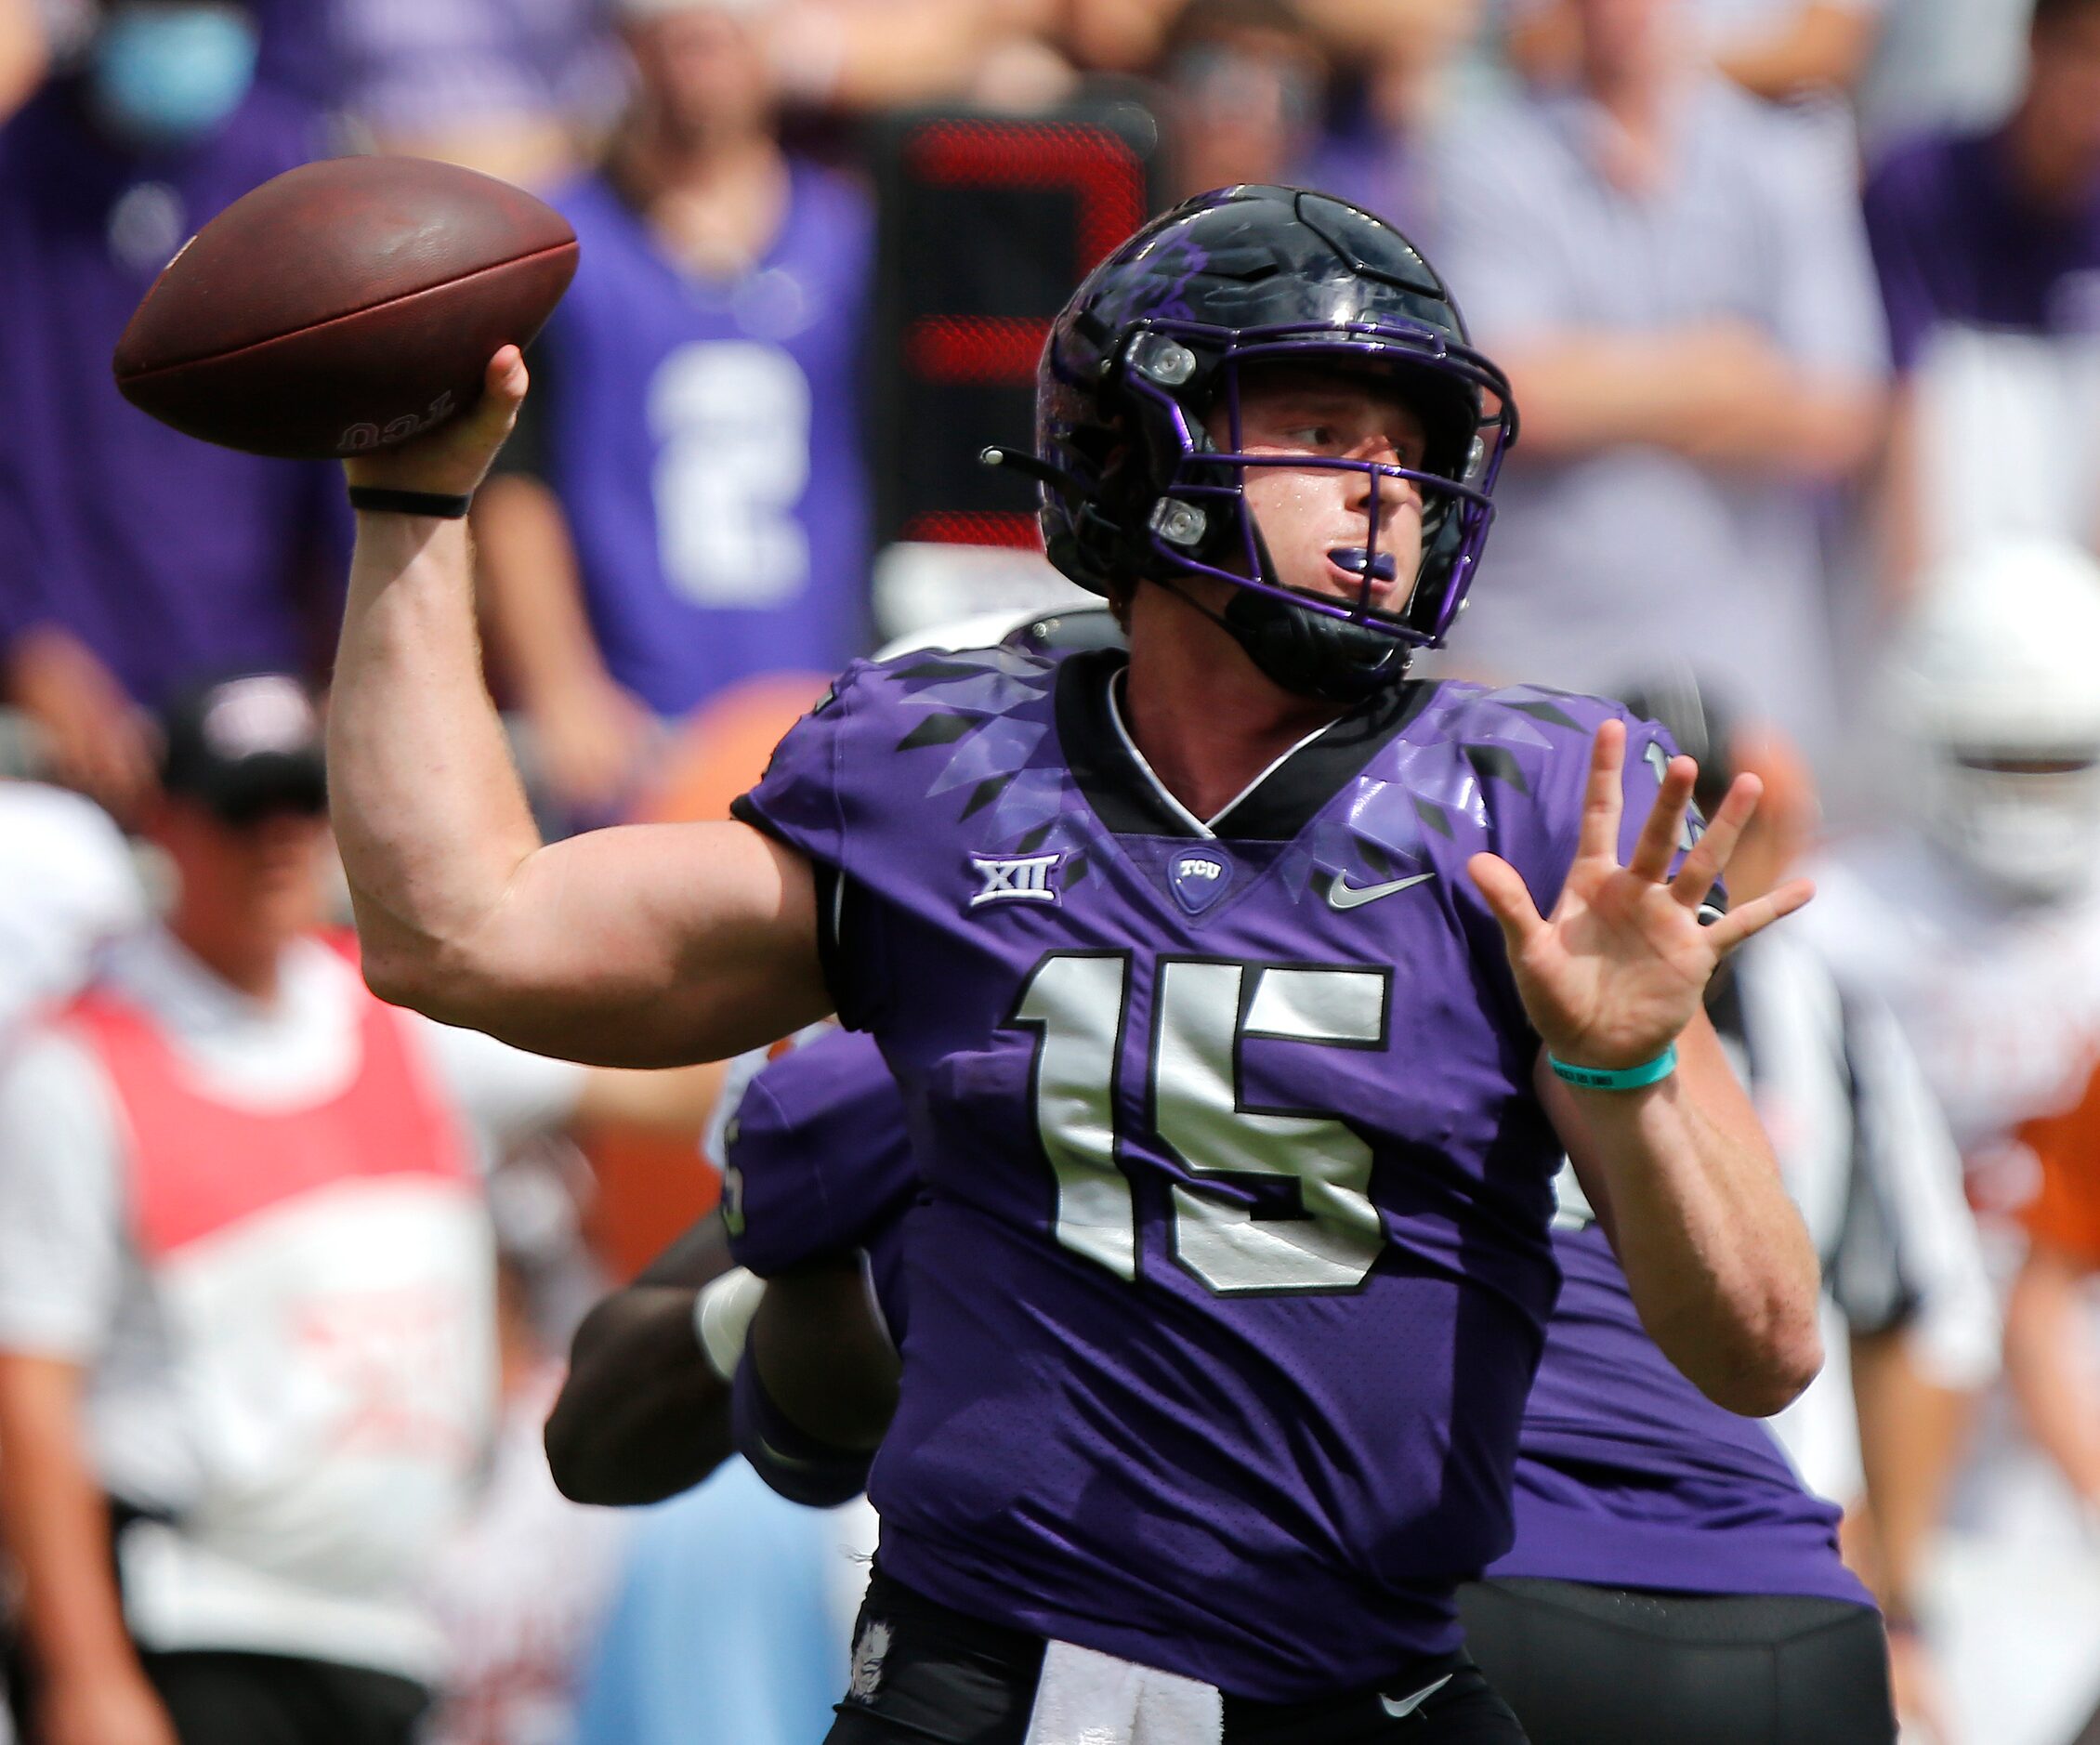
66,886
1605,564
198,1401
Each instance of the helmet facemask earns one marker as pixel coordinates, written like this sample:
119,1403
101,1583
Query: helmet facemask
2028,824
1176,376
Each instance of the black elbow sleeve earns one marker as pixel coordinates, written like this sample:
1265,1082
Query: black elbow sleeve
789,1459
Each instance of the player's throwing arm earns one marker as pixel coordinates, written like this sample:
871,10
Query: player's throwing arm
640,947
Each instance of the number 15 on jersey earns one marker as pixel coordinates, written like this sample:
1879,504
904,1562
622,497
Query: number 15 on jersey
1202,1009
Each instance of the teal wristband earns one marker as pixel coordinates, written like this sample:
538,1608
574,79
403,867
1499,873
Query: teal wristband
1616,1078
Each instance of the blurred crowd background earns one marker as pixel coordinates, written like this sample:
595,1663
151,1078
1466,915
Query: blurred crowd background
1801,304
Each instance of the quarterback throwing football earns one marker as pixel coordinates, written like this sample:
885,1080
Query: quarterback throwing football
1244,995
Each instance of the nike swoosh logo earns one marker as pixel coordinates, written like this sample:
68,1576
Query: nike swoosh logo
1407,1705
1341,894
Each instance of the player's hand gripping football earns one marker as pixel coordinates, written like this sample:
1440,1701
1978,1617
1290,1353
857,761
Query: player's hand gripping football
1620,966
452,459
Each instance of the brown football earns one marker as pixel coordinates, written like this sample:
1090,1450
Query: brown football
343,306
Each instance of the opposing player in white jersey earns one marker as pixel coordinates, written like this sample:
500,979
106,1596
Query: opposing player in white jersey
1975,915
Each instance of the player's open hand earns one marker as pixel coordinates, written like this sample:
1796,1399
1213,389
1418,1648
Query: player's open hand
452,459
1620,966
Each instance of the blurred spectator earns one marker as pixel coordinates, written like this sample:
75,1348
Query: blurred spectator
1393,60
862,56
1943,63
1777,49
1786,49
68,886
1242,85
1327,94
1987,244
732,1621
25,49
522,1587
1976,918
1685,304
687,506
1118,35
130,555
512,88
246,1364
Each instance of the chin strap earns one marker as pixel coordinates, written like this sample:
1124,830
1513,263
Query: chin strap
1302,652
1311,654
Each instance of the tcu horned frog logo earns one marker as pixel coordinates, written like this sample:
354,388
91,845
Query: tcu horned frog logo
357,437
869,1653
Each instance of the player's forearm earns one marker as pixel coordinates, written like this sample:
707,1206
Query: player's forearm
821,1343
1821,46
1583,393
56,1524
1910,1435
2046,1361
1721,395
1717,1259
641,1415
429,812
1797,425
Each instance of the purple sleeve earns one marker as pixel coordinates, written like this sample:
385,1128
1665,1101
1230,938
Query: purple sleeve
1540,841
22,601
803,802
1897,203
816,1156
796,801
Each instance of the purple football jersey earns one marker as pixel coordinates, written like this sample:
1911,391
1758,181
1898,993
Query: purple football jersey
1234,1261
815,1162
704,436
168,557
1626,1474
1629,1477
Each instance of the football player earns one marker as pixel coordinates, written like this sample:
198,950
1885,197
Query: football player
1975,909
1237,1050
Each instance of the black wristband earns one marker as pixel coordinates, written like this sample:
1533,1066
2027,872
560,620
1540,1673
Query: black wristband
446,508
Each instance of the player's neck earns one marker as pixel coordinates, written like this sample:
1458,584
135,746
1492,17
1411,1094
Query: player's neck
1201,713
245,963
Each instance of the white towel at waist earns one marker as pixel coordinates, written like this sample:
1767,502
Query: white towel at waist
1087,1697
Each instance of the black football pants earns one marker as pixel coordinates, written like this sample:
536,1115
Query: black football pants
1622,1666
948,1679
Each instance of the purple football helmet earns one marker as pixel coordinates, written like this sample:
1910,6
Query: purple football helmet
1154,341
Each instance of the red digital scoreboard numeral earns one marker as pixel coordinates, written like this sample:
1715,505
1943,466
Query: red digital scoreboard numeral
1106,178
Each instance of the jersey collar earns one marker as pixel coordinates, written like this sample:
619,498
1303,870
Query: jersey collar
1132,801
